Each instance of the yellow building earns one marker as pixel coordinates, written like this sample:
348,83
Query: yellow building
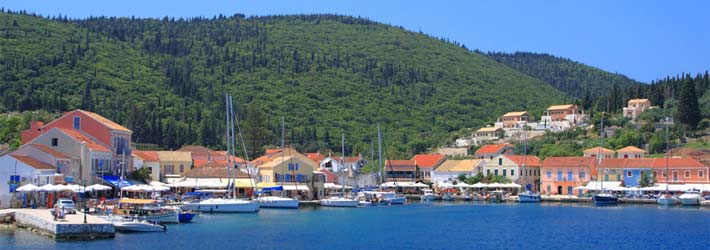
290,169
174,163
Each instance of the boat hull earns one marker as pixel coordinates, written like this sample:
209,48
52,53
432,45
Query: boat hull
529,198
133,226
236,206
667,201
339,203
186,217
428,197
605,200
284,203
690,201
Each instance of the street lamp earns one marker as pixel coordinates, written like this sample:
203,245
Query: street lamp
83,183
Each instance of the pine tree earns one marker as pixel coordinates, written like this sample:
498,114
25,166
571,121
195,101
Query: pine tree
688,110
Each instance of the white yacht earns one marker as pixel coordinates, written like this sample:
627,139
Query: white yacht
277,202
138,226
219,205
428,195
667,200
690,198
390,197
529,196
338,202
448,196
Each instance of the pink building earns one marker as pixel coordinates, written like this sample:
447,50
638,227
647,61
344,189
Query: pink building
561,175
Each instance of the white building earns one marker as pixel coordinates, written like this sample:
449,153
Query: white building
18,170
451,169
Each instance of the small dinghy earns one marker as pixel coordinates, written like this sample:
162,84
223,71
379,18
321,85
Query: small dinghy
138,226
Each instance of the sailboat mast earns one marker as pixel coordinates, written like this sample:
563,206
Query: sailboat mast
667,155
234,145
283,148
379,152
599,155
342,158
525,155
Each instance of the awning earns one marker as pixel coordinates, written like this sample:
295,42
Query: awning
274,188
211,183
114,181
296,187
136,201
606,185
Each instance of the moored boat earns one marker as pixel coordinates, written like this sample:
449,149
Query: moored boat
447,196
605,199
338,202
428,195
529,196
690,198
147,210
667,200
138,226
277,202
219,205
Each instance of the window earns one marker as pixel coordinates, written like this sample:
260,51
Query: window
55,142
14,182
182,168
626,156
549,175
549,189
169,169
488,172
628,173
570,177
559,175
512,172
495,172
77,122
504,171
655,174
665,174
582,175
700,173
687,173
296,166
500,161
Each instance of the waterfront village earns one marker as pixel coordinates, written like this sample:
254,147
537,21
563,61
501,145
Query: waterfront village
82,161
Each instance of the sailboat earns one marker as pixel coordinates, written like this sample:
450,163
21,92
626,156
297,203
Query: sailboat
390,197
528,195
340,201
230,204
667,198
278,201
602,198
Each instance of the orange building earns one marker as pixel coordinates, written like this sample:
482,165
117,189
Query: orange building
513,119
427,163
561,175
679,171
491,150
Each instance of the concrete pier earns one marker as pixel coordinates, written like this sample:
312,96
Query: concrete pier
71,227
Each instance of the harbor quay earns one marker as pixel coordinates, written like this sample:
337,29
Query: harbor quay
71,227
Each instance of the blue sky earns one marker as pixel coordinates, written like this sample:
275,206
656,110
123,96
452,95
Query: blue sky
644,40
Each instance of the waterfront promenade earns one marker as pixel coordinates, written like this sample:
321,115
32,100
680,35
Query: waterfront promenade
71,227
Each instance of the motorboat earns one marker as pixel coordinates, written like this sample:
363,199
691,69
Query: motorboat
338,202
690,198
146,209
497,196
138,226
667,200
448,196
392,198
605,199
220,205
529,196
277,202
428,195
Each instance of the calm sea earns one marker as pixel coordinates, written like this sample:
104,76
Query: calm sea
417,226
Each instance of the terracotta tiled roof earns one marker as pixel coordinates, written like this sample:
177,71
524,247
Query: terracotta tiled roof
400,165
553,162
213,170
613,163
639,163
194,148
530,160
429,160
146,155
458,165
103,120
559,107
492,148
50,151
91,144
638,101
631,149
595,150
33,162
316,157
329,176
677,163
518,113
488,129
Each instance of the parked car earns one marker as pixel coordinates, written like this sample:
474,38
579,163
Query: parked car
67,205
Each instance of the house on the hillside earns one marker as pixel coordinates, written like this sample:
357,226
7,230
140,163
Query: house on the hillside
488,134
635,107
630,152
491,150
603,152
561,117
513,120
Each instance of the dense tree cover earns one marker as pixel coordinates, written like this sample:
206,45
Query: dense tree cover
326,74
574,78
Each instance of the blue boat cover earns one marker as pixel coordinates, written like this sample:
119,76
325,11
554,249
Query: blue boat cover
114,181
274,188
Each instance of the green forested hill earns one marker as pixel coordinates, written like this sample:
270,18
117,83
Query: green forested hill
574,78
326,74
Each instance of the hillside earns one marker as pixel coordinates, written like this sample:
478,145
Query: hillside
166,79
574,78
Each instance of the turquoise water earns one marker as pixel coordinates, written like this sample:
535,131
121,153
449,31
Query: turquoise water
417,226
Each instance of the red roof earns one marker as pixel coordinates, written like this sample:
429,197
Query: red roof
194,148
91,144
554,162
213,170
316,157
50,151
330,177
677,163
639,163
146,155
530,160
613,163
400,165
429,160
493,148
33,162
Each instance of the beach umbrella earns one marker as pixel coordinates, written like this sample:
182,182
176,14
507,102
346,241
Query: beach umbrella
161,188
462,185
446,185
98,187
27,188
479,185
420,185
47,188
